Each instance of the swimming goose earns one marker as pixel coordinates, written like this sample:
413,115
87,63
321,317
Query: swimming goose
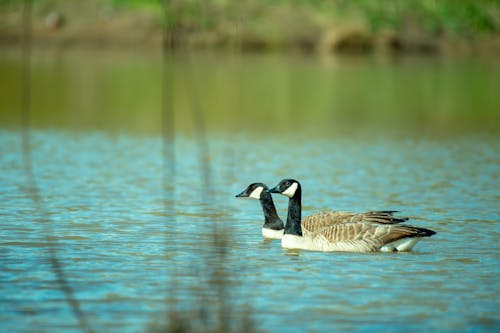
353,236
273,226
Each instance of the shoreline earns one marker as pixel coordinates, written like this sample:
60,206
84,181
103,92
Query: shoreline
283,29
342,41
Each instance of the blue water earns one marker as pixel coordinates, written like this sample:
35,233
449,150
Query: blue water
135,236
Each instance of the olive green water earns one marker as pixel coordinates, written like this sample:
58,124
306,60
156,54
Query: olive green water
419,135
279,94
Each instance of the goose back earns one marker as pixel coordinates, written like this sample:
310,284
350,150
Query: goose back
312,223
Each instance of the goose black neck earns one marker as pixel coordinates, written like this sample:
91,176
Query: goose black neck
272,220
292,226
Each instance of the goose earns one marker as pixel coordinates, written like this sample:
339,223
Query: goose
352,236
273,227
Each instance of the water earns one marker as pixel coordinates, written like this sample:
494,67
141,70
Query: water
135,235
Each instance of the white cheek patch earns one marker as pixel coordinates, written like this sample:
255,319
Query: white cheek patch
291,190
256,193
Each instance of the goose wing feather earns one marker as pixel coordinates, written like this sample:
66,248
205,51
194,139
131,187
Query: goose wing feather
382,217
364,237
315,222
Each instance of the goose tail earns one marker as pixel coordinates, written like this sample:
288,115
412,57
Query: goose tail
422,232
407,243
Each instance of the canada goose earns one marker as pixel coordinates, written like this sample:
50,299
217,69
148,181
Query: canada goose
355,236
273,226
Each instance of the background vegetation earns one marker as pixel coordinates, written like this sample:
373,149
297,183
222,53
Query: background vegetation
363,25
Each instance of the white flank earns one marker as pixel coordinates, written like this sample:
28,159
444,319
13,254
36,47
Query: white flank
271,233
295,242
256,193
291,190
317,242
402,245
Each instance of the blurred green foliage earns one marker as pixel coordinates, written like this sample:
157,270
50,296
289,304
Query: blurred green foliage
436,17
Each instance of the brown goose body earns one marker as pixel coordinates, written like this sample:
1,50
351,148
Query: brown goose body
359,237
366,232
313,223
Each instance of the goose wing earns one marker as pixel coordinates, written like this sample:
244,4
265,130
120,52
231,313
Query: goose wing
315,222
383,217
364,237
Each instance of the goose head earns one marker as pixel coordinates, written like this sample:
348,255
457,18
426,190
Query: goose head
287,187
253,191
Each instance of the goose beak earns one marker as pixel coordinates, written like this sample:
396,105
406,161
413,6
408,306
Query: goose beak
241,195
273,190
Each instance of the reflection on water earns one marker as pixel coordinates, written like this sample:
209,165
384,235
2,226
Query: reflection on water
380,142
258,93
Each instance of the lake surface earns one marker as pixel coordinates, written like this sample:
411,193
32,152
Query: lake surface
143,225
